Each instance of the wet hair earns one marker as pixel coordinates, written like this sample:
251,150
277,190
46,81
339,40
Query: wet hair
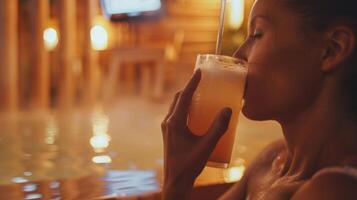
319,15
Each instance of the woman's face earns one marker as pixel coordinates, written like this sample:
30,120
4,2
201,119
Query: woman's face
284,63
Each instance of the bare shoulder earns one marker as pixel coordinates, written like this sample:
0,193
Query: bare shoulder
261,163
330,184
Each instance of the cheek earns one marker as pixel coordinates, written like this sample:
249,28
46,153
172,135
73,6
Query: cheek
260,87
279,80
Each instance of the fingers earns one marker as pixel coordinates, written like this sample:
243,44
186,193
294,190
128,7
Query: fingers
171,109
219,127
182,108
172,106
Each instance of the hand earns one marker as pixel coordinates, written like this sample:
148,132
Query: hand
186,154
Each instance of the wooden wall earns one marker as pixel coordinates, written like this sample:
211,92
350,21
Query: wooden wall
199,20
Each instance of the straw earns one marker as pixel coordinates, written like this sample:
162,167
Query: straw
221,28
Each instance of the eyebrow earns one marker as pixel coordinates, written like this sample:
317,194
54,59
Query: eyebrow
254,19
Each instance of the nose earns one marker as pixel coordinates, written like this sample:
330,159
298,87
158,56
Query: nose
241,53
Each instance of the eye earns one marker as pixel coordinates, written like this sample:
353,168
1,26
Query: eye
256,35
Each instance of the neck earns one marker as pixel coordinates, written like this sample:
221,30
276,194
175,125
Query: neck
323,135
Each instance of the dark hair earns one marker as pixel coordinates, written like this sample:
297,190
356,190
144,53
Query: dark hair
319,15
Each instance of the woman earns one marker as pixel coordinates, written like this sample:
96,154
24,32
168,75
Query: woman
303,74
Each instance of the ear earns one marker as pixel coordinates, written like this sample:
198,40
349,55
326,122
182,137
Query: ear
341,42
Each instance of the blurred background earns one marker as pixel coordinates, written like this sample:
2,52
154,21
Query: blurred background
85,84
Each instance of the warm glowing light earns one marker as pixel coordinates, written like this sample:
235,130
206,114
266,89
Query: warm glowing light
99,37
102,159
100,142
100,123
236,14
100,139
234,174
50,38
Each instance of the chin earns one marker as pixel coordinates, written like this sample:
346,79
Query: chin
255,113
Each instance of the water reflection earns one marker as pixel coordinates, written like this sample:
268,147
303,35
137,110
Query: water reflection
37,153
44,146
234,173
52,131
19,180
33,196
70,158
100,139
12,152
63,156
100,142
112,183
30,187
132,182
102,159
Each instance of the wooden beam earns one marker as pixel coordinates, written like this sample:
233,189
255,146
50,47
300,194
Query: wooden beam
67,44
91,70
8,55
41,57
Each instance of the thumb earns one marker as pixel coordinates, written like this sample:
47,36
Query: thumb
219,126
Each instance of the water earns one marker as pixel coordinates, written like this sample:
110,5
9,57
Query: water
43,146
124,142
113,183
55,155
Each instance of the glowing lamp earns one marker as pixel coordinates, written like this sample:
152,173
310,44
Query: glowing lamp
99,37
50,38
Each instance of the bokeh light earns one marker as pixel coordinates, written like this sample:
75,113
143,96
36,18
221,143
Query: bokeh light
99,37
236,17
50,38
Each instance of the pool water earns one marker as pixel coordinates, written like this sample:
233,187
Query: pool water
116,151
